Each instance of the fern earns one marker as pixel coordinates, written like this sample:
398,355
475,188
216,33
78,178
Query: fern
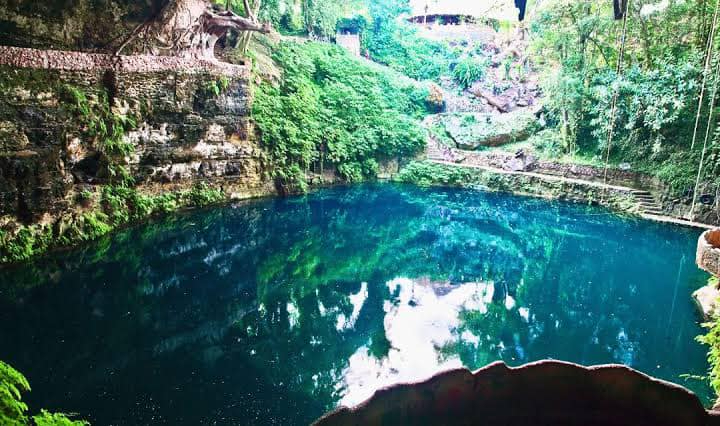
13,410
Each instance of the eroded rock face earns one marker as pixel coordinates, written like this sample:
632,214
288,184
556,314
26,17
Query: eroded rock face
541,393
708,251
190,123
77,24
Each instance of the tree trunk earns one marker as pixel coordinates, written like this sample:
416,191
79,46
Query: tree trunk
190,28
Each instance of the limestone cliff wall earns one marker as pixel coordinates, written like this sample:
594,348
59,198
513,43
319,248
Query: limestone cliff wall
71,24
186,121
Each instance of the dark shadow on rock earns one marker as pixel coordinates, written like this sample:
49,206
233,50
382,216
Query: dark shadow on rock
540,393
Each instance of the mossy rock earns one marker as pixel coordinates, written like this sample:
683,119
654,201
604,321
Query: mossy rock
12,138
472,131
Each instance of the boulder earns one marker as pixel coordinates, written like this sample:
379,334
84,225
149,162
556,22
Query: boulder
435,99
707,300
471,131
708,252
520,162
541,393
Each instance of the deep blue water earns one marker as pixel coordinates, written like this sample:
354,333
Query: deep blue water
273,311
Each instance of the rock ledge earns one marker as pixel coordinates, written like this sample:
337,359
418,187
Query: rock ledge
540,393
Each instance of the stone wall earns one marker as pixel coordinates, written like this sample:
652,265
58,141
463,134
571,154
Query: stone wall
19,57
503,160
708,252
530,184
189,122
707,204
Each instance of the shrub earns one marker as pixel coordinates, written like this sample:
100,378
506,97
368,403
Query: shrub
426,174
13,411
469,70
400,47
333,108
712,339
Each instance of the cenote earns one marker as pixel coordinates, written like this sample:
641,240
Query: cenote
273,311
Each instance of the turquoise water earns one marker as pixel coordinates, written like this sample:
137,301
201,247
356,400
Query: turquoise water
273,311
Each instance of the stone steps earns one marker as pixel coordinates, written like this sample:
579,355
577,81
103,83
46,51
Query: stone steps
647,202
434,152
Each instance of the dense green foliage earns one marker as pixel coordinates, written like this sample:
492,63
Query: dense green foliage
712,339
315,18
331,109
399,46
426,174
577,43
391,41
116,206
12,384
13,412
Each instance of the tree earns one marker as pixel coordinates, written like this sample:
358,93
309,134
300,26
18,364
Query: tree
251,8
191,28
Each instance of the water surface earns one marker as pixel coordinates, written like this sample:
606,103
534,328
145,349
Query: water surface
273,311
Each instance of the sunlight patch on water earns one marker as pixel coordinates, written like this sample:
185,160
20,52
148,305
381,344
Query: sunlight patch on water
293,314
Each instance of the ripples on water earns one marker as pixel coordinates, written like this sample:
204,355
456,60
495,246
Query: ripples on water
273,311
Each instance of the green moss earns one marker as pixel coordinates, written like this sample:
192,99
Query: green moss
119,205
426,173
102,128
216,87
438,132
34,80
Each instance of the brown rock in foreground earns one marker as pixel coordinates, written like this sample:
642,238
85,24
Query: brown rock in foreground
540,393
708,251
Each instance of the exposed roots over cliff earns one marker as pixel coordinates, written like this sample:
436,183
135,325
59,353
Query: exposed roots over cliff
190,28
